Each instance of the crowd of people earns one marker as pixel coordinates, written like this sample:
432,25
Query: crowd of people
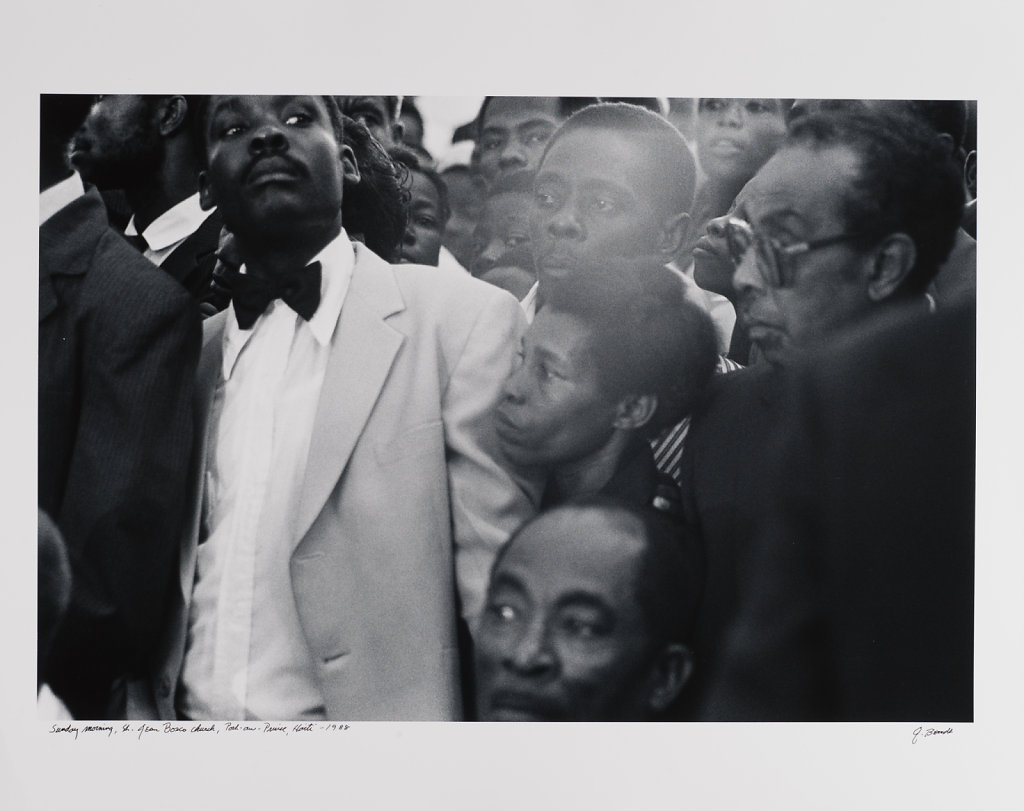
620,409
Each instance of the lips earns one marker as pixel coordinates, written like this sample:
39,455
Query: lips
726,146
272,170
710,247
517,705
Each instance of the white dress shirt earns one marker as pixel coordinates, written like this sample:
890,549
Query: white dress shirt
246,656
170,229
53,199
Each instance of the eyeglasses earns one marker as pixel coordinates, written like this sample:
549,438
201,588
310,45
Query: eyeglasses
774,259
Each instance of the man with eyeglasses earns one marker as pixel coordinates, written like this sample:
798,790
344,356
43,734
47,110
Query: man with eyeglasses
852,217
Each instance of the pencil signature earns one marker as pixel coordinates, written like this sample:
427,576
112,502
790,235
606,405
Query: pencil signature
927,733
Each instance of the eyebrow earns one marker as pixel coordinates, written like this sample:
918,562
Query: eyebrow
587,600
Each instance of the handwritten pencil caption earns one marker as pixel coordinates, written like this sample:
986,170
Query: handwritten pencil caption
142,730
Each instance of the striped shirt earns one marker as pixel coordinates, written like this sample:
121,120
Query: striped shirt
668,448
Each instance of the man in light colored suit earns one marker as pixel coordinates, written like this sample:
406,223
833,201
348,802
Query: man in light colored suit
348,499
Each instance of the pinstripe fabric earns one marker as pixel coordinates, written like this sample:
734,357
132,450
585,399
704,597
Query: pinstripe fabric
668,448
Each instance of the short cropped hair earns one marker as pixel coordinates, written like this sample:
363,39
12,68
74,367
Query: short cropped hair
410,162
670,578
908,182
663,145
649,339
567,105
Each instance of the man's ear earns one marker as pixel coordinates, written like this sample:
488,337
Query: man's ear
669,674
892,261
349,167
206,201
635,411
172,113
673,234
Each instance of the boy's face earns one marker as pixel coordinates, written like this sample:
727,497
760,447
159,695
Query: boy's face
593,200
736,136
425,229
514,132
273,165
502,236
374,113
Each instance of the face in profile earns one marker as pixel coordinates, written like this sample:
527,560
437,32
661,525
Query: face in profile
553,411
274,166
798,197
563,637
118,144
501,243
713,265
736,136
593,200
425,229
514,132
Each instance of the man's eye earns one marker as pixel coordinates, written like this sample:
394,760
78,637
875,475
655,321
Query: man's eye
515,240
230,130
535,138
580,628
545,199
427,222
712,105
603,205
502,612
296,119
491,143
759,106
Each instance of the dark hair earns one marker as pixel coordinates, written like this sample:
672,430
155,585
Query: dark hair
670,577
648,338
567,106
410,162
660,142
908,182
377,206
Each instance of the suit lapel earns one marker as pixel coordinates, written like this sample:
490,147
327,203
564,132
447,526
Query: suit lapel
208,377
67,242
363,349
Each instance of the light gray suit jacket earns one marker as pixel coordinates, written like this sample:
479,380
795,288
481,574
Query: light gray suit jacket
404,503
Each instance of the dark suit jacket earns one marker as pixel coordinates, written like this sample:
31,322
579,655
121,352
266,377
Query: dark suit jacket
723,490
118,348
858,581
191,263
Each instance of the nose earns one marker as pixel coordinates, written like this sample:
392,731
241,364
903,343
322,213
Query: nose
409,238
565,224
747,279
268,138
489,256
732,115
513,156
716,227
514,390
530,653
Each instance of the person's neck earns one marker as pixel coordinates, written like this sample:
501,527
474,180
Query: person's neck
587,476
174,181
271,258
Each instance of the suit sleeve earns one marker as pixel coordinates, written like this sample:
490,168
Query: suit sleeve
125,493
489,502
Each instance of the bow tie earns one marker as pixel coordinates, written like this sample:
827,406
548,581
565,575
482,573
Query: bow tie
299,289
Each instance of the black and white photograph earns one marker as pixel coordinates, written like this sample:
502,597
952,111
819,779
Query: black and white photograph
645,434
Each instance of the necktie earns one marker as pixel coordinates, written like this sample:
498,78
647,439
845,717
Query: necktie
250,295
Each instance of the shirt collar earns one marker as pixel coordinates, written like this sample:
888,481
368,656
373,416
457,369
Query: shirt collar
59,195
336,261
174,225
